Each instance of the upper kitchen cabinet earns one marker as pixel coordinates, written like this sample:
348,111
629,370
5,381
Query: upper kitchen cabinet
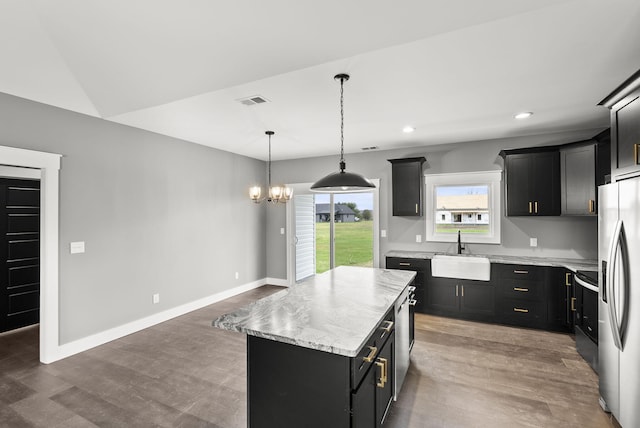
583,167
624,103
407,185
532,181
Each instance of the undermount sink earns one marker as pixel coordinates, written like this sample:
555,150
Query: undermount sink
461,267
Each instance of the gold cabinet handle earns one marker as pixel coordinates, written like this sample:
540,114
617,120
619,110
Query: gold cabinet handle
462,292
525,311
456,290
536,206
383,364
592,206
573,304
524,290
388,327
635,153
416,208
372,354
404,264
521,272
380,382
530,207
567,279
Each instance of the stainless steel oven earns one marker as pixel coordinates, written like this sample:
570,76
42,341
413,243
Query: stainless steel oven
586,316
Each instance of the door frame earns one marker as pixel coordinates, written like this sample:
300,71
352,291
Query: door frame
49,166
290,220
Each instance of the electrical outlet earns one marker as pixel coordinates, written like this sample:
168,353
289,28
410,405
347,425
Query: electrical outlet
418,238
533,242
383,233
237,275
156,298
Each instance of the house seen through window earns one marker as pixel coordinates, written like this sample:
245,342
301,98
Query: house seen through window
466,202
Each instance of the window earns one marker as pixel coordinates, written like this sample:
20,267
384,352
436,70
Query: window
466,202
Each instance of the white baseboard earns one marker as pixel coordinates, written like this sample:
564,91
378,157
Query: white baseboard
86,343
277,281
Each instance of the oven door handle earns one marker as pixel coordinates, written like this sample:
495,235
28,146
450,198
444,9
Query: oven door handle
585,284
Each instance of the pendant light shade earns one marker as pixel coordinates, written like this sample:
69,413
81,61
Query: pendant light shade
342,181
275,194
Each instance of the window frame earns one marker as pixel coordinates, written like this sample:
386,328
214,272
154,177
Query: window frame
492,179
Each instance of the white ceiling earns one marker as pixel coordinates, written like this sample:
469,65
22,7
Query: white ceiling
456,70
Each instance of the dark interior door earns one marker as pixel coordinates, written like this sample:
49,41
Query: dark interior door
19,253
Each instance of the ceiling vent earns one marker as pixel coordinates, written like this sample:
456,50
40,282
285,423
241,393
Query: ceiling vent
256,99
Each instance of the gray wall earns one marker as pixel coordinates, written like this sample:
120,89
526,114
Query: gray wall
562,237
158,215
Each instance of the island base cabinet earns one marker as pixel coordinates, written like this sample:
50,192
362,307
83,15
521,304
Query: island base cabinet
292,386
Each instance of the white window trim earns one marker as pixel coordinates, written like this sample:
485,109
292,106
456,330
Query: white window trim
492,178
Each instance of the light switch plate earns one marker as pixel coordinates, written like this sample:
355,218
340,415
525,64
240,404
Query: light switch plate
383,233
156,298
282,231
76,247
533,242
418,238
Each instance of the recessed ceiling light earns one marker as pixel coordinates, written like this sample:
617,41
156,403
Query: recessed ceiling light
523,115
408,129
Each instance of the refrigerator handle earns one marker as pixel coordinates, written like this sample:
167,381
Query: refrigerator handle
603,289
613,310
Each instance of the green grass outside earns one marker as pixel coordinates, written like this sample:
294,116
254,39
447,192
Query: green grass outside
354,245
463,228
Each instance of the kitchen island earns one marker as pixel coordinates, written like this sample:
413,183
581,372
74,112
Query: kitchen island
321,353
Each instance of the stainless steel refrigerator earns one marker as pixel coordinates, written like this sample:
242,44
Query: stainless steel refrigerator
619,300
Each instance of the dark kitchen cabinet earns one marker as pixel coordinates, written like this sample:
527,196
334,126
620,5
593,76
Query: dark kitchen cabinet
578,179
561,301
532,182
407,186
522,297
583,167
624,103
460,298
294,386
422,267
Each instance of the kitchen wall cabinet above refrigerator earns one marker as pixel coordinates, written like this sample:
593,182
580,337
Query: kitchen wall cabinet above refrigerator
624,103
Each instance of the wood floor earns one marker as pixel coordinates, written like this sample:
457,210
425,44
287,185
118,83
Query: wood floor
185,373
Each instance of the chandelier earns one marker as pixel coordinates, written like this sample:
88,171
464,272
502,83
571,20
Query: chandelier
275,194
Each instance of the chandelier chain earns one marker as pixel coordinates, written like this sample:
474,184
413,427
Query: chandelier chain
269,161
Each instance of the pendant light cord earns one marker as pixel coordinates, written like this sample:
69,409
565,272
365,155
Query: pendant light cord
342,163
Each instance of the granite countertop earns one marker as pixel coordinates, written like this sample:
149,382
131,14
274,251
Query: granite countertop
571,264
333,312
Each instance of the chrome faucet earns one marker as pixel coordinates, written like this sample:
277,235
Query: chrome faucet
460,247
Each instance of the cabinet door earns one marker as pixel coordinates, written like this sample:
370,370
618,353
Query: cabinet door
442,296
477,299
406,182
625,133
578,180
363,402
533,183
384,380
546,183
519,191
560,299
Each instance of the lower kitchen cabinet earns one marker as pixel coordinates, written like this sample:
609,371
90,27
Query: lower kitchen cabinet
293,386
520,295
462,298
422,267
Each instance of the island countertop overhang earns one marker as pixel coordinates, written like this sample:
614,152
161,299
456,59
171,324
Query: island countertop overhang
333,312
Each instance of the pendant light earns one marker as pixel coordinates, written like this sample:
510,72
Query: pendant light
275,194
342,181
